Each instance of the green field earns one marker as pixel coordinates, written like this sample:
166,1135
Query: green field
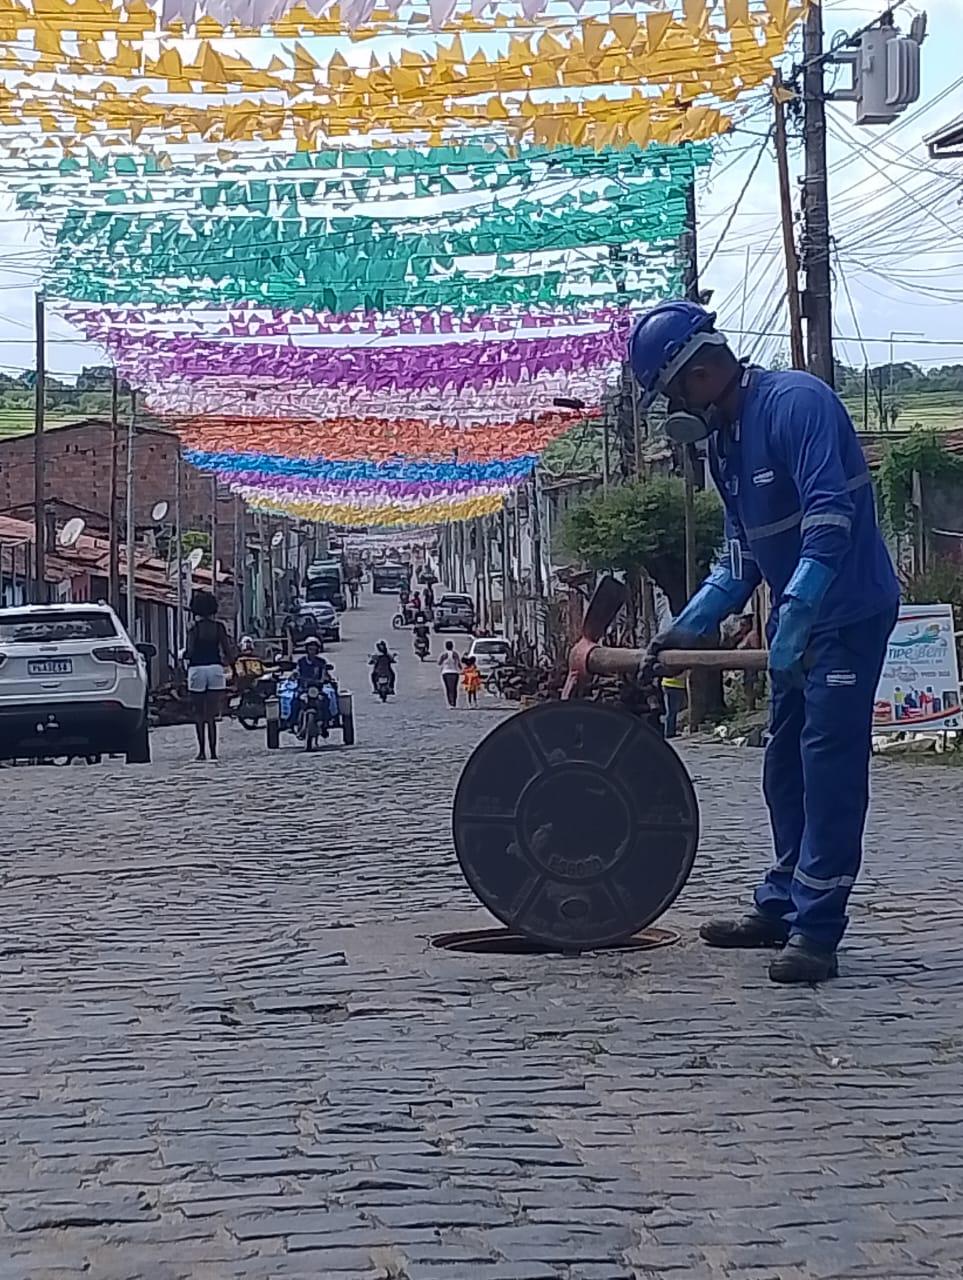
934,410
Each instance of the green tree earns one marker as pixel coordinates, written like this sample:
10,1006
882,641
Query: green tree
924,452
642,526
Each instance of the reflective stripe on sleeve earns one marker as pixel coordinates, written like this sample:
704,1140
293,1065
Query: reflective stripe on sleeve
815,521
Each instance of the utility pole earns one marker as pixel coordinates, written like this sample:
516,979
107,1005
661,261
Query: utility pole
696,681
39,460
817,299
788,239
131,527
214,536
536,519
690,266
179,547
238,569
507,609
113,525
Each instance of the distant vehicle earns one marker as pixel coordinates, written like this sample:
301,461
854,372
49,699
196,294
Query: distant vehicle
72,683
390,577
326,620
454,613
324,580
490,652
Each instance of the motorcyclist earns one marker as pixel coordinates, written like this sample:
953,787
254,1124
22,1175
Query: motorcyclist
248,667
421,633
311,670
382,663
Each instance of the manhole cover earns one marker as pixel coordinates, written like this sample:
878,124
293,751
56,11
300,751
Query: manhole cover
575,825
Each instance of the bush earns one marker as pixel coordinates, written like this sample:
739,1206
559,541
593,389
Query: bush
642,526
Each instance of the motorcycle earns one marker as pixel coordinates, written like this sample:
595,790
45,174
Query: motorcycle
311,713
248,705
383,687
404,617
422,647
314,716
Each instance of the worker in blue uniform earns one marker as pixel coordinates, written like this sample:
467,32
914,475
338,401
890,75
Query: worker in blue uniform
799,516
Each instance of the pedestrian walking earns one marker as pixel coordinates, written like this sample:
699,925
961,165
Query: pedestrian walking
471,681
209,651
450,664
800,517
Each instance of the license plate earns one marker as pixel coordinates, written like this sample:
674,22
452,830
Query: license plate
49,666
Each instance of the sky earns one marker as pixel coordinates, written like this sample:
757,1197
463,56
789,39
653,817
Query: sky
896,218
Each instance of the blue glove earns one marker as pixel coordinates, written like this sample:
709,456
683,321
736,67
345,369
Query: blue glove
796,619
719,595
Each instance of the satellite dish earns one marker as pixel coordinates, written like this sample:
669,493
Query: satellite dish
158,511
278,538
71,531
195,558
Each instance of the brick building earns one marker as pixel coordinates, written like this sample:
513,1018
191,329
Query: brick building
77,480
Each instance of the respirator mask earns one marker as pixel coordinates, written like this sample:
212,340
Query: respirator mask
685,426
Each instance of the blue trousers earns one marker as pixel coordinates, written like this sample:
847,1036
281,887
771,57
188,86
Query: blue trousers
816,779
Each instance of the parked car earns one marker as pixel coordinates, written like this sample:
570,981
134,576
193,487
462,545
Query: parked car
490,652
72,683
454,613
325,581
326,618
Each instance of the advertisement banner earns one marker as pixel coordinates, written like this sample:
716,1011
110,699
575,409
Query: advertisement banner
920,684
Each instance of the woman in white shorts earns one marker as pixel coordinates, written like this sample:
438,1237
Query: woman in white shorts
209,651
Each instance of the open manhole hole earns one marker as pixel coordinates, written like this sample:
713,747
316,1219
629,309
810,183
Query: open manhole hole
504,942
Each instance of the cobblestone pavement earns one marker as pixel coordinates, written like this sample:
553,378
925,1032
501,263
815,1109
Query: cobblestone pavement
229,1051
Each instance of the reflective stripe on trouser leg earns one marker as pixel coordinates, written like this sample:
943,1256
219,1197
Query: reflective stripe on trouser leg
782,784
836,739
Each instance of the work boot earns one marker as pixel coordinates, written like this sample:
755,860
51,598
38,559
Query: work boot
753,930
803,961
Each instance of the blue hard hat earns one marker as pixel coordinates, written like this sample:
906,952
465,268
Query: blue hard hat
660,336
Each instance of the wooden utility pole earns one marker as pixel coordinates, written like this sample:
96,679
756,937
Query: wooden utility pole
214,536
39,460
113,524
179,547
507,610
691,269
238,568
785,212
131,528
696,682
817,299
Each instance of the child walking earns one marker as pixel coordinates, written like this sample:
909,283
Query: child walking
471,681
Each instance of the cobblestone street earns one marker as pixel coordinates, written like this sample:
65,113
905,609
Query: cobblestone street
229,1050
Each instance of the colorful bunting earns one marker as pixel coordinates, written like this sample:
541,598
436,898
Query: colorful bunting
357,274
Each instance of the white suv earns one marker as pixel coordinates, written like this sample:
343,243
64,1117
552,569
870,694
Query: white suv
72,683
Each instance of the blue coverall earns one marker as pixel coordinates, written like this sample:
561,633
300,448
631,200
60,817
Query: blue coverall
795,485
